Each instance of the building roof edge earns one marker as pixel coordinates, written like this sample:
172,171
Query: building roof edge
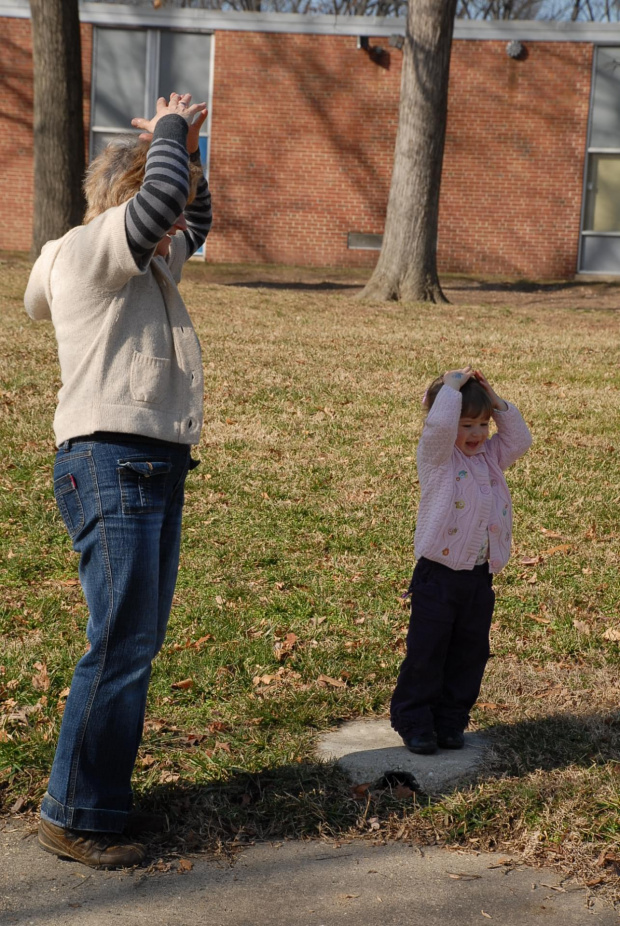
114,14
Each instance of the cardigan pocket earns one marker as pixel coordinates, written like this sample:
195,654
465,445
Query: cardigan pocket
149,378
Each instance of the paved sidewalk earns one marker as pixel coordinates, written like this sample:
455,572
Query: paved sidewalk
305,883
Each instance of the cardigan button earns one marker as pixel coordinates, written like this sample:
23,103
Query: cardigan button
494,528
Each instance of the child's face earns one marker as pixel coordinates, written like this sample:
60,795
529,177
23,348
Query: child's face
472,434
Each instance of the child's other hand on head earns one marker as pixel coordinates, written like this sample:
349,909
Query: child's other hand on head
495,399
456,379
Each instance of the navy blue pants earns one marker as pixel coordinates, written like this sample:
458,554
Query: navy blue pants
447,648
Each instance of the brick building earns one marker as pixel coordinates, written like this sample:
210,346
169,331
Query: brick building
303,117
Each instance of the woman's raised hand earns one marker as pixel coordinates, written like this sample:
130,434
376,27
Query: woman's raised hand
180,104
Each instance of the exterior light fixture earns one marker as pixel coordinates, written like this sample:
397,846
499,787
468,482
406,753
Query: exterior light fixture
375,52
515,49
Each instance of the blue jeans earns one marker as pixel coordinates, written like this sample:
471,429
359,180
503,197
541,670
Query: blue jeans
121,503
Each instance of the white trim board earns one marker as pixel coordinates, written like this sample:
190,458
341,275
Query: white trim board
113,14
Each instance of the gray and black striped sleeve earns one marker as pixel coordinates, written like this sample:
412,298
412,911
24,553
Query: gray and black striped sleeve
198,214
164,191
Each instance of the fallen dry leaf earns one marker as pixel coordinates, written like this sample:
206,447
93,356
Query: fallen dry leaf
582,627
218,726
282,648
612,634
529,560
41,681
185,864
549,533
146,761
18,805
183,684
168,778
402,792
561,548
334,682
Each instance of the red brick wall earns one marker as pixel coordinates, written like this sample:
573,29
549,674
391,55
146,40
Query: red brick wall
303,136
514,160
16,113
303,131
302,139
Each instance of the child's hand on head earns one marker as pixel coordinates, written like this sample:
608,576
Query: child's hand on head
495,399
456,379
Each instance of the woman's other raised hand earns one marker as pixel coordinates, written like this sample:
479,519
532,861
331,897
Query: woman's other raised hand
181,105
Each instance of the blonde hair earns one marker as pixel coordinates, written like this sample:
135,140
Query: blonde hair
117,173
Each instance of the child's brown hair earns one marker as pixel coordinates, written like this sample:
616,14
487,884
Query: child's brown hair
476,400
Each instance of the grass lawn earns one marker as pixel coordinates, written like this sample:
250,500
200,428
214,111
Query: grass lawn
298,545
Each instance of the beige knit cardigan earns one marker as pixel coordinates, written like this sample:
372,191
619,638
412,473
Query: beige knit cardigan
129,356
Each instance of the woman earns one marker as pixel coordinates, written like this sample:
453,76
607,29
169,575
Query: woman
129,409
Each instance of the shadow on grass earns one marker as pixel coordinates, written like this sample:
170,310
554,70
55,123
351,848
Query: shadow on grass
555,742
317,800
285,802
324,286
517,286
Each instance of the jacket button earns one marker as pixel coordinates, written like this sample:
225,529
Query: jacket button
494,528
445,551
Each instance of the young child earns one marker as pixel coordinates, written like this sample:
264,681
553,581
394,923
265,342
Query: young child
462,537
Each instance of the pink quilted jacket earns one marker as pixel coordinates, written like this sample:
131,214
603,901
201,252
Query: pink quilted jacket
463,496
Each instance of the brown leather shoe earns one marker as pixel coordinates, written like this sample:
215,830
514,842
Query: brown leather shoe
98,850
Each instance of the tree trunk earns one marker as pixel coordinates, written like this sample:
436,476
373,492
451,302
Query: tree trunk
58,120
407,265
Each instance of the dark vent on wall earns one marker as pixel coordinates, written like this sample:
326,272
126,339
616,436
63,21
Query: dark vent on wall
356,241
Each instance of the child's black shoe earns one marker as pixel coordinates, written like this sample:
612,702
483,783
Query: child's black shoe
424,744
450,739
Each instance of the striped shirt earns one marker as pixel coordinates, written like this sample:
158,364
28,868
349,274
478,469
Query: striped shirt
163,195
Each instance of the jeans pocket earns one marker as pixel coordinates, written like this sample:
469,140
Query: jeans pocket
69,503
143,485
148,379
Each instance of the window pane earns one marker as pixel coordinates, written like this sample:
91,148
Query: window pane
603,193
101,139
120,73
605,131
184,64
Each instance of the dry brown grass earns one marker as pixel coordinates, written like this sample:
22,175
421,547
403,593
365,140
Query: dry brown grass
300,521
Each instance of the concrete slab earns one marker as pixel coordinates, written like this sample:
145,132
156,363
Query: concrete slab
367,749
305,883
